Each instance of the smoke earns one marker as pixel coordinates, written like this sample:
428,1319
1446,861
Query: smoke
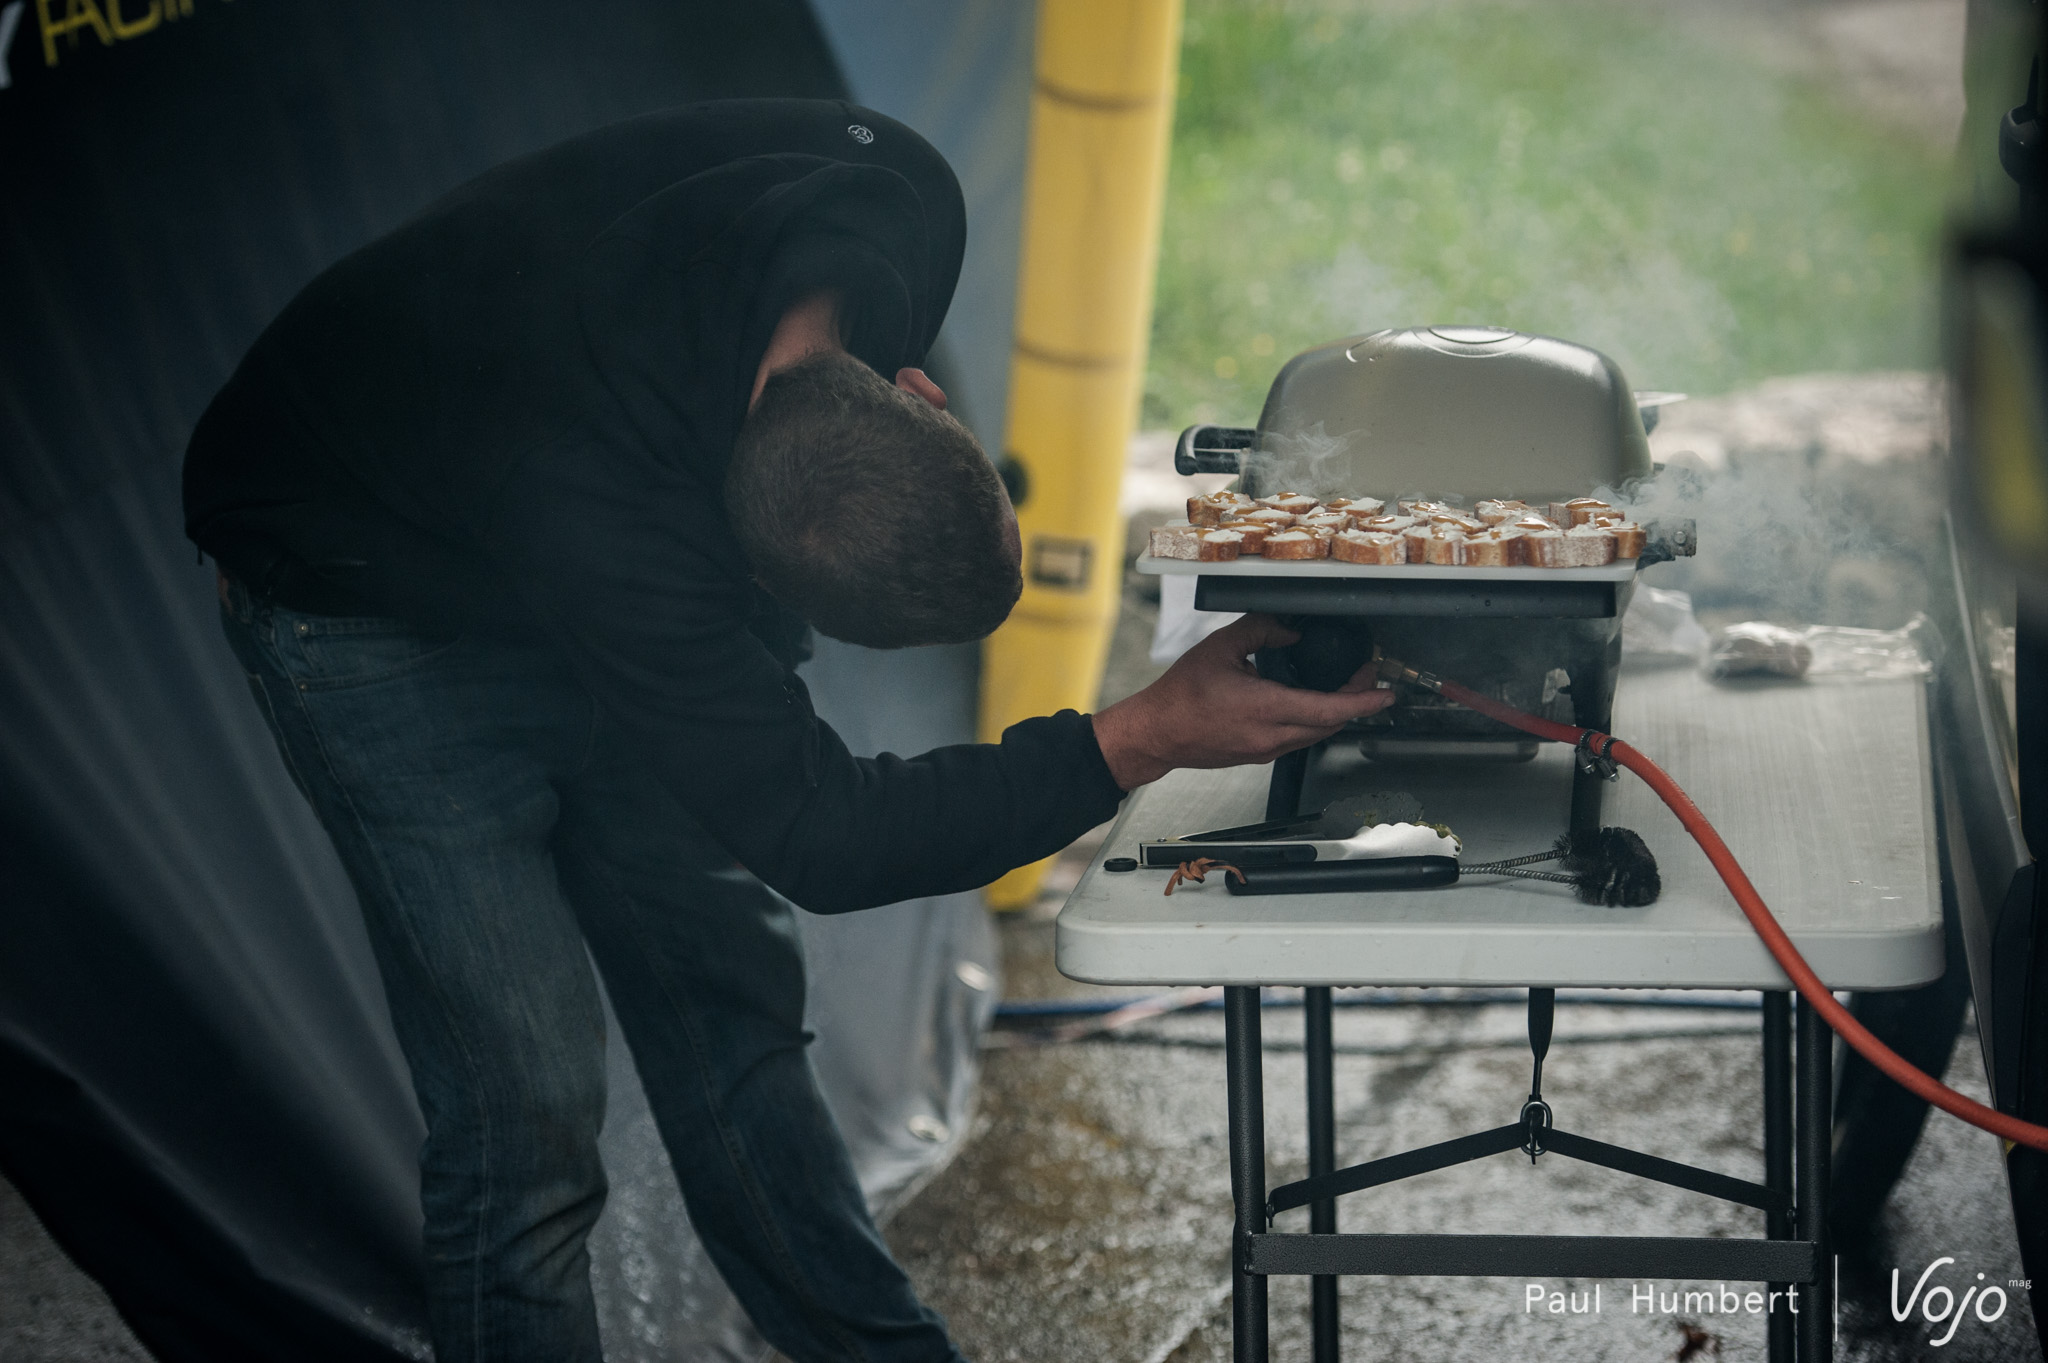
1307,461
1817,500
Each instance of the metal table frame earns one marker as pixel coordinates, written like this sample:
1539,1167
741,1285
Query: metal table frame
1791,1257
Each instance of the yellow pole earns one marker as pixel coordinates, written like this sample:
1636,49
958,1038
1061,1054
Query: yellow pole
1101,112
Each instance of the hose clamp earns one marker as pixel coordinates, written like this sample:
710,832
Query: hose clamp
1593,756
1393,669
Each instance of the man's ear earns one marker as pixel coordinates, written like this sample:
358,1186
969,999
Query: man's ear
919,384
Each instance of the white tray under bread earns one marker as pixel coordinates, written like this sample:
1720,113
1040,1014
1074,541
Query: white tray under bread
1621,570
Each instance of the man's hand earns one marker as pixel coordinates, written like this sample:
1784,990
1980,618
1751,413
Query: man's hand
1212,709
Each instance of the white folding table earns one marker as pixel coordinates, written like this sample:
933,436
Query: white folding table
1823,791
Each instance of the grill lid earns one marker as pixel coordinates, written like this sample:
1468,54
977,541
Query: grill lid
1449,410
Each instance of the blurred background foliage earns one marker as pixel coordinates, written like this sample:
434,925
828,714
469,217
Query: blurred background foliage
1675,185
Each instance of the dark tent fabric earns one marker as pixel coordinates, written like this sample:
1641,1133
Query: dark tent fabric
199,1093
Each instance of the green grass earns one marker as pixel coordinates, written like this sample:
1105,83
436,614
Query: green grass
1592,171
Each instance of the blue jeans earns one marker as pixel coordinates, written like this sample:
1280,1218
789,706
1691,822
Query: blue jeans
494,824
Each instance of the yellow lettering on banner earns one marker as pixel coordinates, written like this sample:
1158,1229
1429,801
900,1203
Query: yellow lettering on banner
134,28
77,14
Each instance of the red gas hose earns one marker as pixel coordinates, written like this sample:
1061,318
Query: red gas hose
1753,908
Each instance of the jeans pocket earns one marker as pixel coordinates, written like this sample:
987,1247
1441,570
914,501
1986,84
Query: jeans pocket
328,652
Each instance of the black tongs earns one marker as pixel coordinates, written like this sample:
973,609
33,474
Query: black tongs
1252,832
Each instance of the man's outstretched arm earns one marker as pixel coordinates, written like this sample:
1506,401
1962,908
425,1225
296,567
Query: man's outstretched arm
638,591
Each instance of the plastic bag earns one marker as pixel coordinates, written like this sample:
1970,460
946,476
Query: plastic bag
1756,649
1822,652
1659,628
1872,654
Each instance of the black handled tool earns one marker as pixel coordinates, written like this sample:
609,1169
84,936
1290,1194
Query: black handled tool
1336,877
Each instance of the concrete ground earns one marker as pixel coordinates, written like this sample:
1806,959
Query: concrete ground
49,1311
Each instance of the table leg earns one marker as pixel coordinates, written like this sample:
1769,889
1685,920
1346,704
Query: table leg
1815,1130
1322,1159
1778,1156
1246,1086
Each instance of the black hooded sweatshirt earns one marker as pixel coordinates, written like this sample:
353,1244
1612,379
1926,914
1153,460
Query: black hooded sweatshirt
514,413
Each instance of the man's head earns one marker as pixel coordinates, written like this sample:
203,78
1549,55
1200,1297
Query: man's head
870,512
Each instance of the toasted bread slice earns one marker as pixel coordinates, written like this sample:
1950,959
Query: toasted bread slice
1296,544
1594,545
1496,548
1368,546
1177,539
1581,510
1254,533
1217,507
1219,546
1445,546
1293,503
1585,546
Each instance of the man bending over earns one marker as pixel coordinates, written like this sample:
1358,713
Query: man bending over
520,512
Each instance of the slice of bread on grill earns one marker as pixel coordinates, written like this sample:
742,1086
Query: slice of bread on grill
1178,540
1444,547
1296,544
1577,511
1254,533
1496,548
1585,546
1293,503
1217,507
1368,546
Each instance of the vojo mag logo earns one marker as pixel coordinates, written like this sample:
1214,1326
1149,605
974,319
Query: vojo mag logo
1937,1305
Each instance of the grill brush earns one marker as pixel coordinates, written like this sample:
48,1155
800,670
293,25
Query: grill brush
1612,867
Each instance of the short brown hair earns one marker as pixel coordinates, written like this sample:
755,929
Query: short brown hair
867,511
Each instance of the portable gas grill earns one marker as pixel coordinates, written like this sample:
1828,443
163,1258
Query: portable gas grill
1444,411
